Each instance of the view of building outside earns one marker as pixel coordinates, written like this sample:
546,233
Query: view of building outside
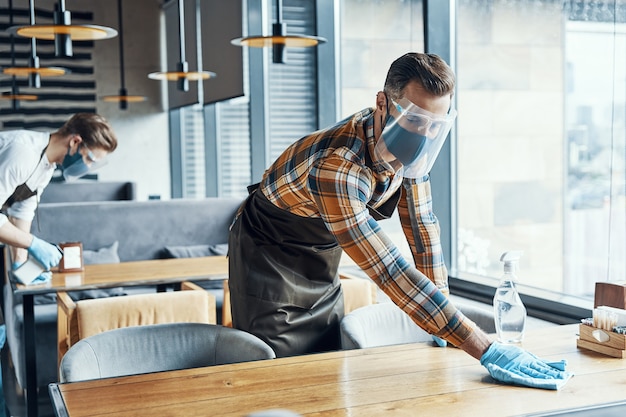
541,99
541,136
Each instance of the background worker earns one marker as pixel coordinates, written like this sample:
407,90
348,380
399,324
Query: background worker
28,160
325,194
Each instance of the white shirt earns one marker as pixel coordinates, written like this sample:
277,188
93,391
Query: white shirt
22,162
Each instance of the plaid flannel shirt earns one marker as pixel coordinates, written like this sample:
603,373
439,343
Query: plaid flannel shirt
327,174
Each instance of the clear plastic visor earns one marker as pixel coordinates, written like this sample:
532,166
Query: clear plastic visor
85,162
413,137
92,161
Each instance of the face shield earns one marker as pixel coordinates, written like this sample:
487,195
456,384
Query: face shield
80,164
413,137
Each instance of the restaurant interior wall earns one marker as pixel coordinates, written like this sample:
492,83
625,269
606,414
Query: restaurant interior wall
143,152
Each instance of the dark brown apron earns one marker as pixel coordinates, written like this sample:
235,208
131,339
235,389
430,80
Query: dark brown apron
283,279
21,193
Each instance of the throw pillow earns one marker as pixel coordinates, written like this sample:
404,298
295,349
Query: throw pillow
104,255
196,251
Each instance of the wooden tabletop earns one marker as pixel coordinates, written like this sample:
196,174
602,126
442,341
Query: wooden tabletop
402,380
133,273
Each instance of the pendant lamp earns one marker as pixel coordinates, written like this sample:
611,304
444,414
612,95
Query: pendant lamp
63,32
34,71
16,95
123,98
279,39
182,74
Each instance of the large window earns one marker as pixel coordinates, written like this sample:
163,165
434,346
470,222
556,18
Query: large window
541,98
540,137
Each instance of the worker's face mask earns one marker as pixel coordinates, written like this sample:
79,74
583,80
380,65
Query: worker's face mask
77,165
413,136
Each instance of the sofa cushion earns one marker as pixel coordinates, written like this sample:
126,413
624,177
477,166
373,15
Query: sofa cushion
104,255
195,251
215,287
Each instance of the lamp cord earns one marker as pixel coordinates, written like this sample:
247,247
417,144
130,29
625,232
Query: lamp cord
181,27
121,40
279,11
33,41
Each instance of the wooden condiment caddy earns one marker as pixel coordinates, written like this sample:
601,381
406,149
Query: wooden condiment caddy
595,339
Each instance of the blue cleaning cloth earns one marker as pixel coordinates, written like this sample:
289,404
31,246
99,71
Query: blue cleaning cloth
512,364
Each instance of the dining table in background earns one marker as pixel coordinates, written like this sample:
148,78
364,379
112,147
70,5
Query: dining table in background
157,272
401,380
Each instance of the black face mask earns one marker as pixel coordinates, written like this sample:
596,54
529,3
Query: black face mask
406,146
74,166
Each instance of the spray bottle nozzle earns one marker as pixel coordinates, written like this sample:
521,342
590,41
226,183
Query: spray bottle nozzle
511,259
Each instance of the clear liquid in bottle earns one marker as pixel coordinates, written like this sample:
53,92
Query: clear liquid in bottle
509,311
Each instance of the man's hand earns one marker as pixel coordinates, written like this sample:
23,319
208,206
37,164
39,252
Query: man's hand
45,253
512,364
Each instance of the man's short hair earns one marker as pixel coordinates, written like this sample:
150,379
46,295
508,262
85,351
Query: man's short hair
429,70
94,129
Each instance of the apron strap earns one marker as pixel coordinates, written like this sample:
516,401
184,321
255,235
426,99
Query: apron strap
21,193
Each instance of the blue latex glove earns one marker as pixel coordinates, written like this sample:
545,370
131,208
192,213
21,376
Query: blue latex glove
512,364
43,278
16,265
46,254
440,342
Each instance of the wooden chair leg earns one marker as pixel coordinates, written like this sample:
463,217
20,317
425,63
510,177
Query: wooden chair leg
227,319
66,319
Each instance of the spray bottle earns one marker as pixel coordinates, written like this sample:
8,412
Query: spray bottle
510,313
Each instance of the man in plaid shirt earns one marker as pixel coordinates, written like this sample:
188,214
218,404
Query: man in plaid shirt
324,195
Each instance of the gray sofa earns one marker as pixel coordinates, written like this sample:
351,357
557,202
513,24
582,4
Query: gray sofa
88,190
143,230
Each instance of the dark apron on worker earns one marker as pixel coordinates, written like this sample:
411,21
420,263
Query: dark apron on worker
22,192
283,279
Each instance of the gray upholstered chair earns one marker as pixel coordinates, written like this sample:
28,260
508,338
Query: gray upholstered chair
386,324
159,347
379,324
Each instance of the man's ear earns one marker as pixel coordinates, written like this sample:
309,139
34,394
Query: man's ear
75,140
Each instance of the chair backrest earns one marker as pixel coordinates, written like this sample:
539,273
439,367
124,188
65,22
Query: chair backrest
81,319
102,314
159,347
386,324
484,318
379,325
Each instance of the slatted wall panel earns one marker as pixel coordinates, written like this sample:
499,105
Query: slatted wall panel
59,97
293,85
